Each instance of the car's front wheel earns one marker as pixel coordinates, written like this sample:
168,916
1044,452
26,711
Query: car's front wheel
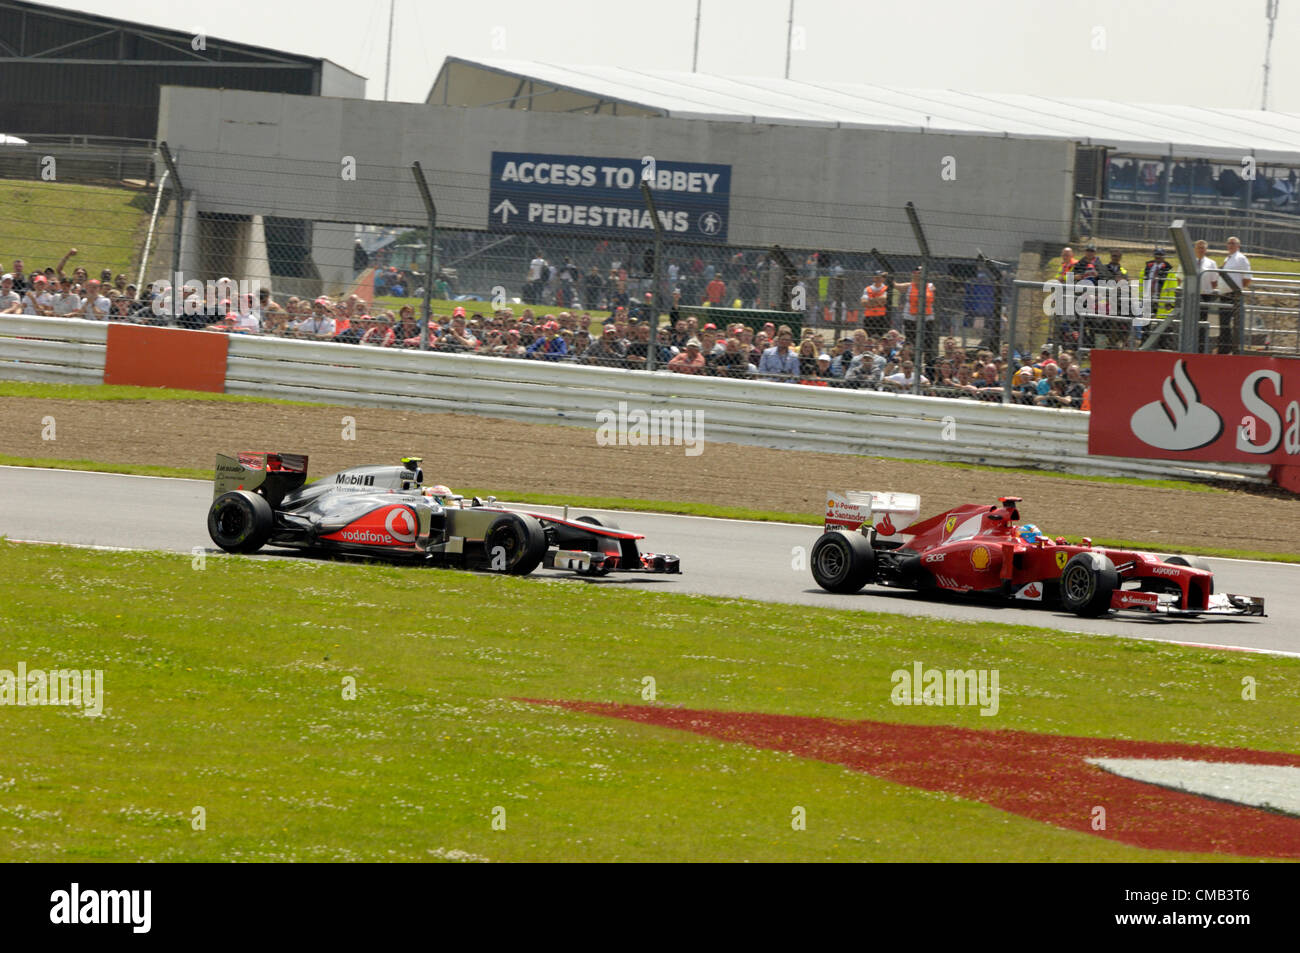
515,544
842,562
240,521
1087,582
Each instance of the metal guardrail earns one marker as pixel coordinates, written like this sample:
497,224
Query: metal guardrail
783,416
83,159
1262,233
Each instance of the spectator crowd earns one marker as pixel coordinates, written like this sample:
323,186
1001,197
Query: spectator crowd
871,357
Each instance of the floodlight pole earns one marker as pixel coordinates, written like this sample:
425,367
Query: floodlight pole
430,258
654,278
918,362
695,56
789,38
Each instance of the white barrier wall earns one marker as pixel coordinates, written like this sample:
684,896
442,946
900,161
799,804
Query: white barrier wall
784,416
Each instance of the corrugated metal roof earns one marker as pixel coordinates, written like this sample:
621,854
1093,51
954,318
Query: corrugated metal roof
1136,127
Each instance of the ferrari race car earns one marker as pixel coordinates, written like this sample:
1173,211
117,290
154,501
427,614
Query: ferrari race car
973,548
263,499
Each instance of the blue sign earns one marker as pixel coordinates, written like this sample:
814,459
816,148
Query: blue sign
602,197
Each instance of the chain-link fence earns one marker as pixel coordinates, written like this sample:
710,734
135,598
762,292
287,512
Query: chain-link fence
840,319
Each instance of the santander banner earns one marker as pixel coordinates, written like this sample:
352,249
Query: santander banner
1214,407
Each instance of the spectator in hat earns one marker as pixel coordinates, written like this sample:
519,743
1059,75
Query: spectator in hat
1088,266
550,346
37,300
11,302
690,361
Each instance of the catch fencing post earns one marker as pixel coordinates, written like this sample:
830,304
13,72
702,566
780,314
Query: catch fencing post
180,206
921,298
431,255
1189,333
654,279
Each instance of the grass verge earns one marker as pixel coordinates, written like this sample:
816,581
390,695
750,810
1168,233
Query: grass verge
226,687
44,219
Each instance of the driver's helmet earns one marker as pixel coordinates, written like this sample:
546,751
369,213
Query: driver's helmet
438,492
1029,533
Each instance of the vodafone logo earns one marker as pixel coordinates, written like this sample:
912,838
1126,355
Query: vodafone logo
400,517
1178,421
366,536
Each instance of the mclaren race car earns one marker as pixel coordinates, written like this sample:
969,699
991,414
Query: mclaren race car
984,549
263,499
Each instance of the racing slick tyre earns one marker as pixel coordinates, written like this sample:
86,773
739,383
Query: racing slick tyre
514,544
1087,583
843,562
604,524
240,521
1191,562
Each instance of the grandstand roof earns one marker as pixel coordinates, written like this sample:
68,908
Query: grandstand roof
623,90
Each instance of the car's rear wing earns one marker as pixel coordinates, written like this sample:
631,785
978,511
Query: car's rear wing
887,513
267,472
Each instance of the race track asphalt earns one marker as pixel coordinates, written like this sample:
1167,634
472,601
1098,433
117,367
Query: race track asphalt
719,557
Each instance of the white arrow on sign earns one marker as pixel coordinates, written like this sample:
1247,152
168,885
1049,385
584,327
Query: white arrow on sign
506,208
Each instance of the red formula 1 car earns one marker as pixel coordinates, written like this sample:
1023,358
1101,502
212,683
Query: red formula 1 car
974,548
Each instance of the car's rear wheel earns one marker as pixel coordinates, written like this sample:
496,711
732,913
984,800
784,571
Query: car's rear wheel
240,521
843,562
1087,583
515,544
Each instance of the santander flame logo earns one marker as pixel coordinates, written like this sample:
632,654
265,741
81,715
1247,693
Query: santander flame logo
1179,421
886,526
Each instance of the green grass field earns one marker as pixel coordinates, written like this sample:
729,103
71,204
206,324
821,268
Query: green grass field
42,220
224,689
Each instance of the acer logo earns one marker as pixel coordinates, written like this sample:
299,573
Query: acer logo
934,558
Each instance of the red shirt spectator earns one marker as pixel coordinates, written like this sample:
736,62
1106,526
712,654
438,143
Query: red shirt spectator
715,292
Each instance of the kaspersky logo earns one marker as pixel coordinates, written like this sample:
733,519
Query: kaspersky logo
1179,421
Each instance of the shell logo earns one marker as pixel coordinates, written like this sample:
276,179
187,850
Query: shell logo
979,557
830,505
1061,559
949,526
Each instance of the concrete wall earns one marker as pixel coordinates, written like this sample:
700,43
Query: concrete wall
274,154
